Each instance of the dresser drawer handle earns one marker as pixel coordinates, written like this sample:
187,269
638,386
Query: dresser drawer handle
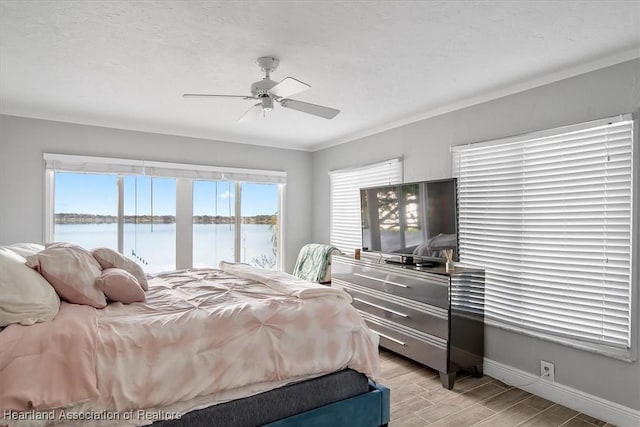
388,337
381,280
381,307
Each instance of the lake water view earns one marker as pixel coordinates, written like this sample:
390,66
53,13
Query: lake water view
155,250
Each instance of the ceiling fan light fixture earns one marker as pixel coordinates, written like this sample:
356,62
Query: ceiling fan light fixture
267,103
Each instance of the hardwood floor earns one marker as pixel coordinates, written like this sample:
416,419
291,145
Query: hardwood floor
418,399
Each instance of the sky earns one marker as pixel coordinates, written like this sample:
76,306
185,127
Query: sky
98,194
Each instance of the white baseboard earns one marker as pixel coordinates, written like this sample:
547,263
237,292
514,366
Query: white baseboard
577,400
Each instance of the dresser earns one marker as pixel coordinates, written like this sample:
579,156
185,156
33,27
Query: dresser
426,314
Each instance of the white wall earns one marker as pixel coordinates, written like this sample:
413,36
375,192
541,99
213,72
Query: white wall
23,141
425,147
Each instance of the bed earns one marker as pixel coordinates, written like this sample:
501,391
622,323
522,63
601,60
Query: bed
235,345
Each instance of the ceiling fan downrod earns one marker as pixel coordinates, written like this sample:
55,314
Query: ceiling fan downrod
262,88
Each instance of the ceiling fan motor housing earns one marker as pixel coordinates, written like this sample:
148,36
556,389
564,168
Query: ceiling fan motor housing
262,87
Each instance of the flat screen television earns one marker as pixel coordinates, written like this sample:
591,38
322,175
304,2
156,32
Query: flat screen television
414,221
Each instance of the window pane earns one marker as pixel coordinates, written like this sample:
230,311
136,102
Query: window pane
150,222
85,209
259,229
213,222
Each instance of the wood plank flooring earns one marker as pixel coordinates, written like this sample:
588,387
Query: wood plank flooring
418,399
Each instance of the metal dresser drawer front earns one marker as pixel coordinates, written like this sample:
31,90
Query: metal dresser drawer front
422,317
431,351
429,315
432,289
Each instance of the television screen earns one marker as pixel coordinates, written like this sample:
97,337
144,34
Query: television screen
417,219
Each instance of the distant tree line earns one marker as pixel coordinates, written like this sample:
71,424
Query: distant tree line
77,218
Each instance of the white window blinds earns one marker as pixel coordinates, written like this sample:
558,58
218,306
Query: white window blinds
549,217
73,163
346,229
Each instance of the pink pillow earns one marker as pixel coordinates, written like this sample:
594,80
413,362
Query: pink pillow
120,285
72,272
108,258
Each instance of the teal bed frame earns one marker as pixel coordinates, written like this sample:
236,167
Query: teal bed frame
371,409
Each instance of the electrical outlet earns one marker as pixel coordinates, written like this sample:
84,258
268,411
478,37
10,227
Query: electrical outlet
547,370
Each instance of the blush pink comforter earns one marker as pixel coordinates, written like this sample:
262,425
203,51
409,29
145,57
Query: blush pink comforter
49,364
206,336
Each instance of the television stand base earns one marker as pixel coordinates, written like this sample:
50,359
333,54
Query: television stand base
402,260
426,264
411,261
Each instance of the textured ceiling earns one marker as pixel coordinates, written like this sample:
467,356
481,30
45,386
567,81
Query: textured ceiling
125,64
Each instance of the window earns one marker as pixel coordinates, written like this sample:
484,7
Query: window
549,217
345,185
149,230
95,227
214,227
214,223
259,226
165,216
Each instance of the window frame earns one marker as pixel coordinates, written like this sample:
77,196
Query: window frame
184,174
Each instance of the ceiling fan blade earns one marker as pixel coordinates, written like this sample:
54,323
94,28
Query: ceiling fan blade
252,113
205,95
305,107
288,87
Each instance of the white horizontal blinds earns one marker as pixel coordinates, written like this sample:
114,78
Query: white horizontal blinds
346,228
87,164
549,219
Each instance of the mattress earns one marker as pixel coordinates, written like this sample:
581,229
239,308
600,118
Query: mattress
276,404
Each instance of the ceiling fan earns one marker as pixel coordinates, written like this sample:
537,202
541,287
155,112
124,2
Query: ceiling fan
267,91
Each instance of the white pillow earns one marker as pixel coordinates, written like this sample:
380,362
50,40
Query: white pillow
25,249
25,296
